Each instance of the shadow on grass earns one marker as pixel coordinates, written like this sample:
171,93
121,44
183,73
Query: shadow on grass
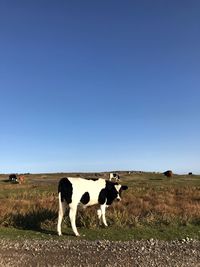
42,221
35,220
9,181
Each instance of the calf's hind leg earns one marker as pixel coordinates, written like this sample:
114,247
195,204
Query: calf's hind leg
61,212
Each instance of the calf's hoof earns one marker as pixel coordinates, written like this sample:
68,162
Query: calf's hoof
77,234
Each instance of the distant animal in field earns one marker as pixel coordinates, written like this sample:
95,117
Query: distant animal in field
13,178
114,176
190,173
168,173
88,192
21,179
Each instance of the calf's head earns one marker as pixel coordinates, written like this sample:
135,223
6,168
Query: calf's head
114,191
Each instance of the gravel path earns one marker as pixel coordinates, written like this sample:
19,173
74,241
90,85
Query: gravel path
99,253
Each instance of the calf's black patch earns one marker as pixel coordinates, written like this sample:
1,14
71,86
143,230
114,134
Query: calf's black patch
65,188
85,198
111,192
102,196
108,194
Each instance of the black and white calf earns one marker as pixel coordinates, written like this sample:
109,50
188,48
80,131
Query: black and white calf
75,191
114,176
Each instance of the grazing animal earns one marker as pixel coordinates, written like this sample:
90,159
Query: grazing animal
75,191
168,173
114,176
13,177
21,179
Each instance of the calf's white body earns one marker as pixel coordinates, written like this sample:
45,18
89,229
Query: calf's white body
75,191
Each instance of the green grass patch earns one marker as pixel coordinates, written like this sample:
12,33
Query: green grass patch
112,233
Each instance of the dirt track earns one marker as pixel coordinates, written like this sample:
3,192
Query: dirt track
99,253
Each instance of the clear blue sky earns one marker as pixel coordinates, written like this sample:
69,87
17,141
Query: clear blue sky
99,85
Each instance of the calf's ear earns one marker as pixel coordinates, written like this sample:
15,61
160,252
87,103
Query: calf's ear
124,187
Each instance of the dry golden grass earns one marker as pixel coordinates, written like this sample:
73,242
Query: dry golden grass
33,205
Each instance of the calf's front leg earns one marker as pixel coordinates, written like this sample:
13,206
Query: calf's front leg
72,216
103,214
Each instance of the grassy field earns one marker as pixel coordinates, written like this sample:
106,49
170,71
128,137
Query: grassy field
154,207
